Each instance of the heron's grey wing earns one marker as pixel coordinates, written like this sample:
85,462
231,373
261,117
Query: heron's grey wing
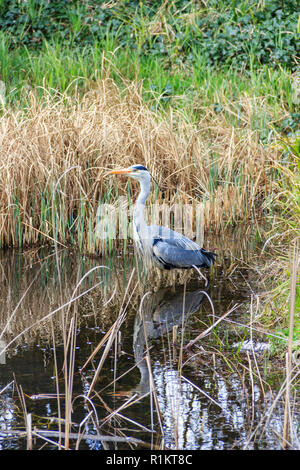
171,254
174,238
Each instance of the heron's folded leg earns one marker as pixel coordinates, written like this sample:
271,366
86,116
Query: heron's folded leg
201,275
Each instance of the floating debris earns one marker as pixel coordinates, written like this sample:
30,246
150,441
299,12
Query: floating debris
252,346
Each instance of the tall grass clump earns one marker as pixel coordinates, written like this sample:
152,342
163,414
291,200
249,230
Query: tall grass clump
54,155
282,243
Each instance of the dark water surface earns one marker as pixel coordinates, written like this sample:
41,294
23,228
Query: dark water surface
213,396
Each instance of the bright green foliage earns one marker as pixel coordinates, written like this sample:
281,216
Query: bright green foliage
213,52
226,32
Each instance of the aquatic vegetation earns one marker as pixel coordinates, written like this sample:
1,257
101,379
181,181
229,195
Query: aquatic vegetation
113,356
54,156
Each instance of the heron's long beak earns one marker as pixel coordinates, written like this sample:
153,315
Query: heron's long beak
124,171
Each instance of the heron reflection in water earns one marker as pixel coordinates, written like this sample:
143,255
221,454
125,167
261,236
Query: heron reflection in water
167,248
159,313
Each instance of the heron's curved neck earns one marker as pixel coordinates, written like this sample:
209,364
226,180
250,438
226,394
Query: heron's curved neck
138,212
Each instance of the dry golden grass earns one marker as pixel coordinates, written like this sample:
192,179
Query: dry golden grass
54,156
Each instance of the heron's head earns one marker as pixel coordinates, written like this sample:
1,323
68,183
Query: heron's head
138,172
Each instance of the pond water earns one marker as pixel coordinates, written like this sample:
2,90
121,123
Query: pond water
134,382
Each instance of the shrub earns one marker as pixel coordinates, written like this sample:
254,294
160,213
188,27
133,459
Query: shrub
224,33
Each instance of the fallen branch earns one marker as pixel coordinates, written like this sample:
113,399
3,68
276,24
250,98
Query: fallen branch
40,433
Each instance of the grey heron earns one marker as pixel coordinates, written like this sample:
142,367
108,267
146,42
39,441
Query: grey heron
167,248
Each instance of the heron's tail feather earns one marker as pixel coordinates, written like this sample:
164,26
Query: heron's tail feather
209,257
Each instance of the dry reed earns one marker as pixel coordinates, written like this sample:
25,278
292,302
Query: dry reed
55,153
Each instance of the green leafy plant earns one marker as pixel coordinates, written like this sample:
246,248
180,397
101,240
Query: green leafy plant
226,33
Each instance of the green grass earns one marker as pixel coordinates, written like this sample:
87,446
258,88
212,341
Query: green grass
187,54
286,233
226,32
190,88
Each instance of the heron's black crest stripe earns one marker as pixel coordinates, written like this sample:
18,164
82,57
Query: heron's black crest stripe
139,167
